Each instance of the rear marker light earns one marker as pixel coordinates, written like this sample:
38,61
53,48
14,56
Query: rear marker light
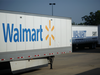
22,57
2,59
18,57
29,56
44,54
69,51
11,58
38,55
49,53
35,55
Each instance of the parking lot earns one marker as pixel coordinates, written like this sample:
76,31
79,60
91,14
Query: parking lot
80,62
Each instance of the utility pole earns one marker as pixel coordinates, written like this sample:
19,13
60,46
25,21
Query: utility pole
52,6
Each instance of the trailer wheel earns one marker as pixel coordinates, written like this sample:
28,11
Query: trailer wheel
73,48
92,46
80,47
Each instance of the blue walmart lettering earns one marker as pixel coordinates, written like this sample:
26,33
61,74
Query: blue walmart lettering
14,33
79,34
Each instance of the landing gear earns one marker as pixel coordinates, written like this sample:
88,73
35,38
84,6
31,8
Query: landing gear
51,58
92,46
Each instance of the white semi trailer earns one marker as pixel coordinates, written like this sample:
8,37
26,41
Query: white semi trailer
99,34
28,41
84,36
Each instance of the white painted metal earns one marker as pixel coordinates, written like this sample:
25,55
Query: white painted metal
57,32
18,65
29,24
89,30
37,23
20,20
52,33
63,32
11,19
58,29
42,61
45,22
68,37
2,43
32,63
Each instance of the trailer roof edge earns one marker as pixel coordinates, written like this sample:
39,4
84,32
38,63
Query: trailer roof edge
34,14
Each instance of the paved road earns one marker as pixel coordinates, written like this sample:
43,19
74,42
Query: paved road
84,62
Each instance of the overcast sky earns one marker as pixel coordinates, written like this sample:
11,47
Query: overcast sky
67,8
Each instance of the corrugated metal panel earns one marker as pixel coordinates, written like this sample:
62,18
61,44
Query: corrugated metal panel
33,33
32,14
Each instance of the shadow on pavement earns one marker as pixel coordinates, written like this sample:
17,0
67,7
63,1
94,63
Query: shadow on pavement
91,72
87,50
26,72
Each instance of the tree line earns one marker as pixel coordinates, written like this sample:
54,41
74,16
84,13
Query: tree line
92,19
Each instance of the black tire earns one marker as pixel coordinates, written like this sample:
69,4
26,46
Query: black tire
73,48
92,46
80,47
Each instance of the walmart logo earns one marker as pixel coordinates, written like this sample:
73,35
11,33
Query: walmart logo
50,30
18,34
79,34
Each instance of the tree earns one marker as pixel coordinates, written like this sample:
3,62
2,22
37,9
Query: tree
73,23
92,19
81,24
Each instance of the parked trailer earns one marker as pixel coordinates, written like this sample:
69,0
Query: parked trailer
99,34
84,36
28,41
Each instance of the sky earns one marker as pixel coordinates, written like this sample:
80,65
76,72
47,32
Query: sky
74,9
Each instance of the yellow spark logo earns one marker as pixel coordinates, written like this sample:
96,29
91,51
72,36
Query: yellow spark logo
48,34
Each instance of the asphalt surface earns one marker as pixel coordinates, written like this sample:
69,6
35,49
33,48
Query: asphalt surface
80,62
